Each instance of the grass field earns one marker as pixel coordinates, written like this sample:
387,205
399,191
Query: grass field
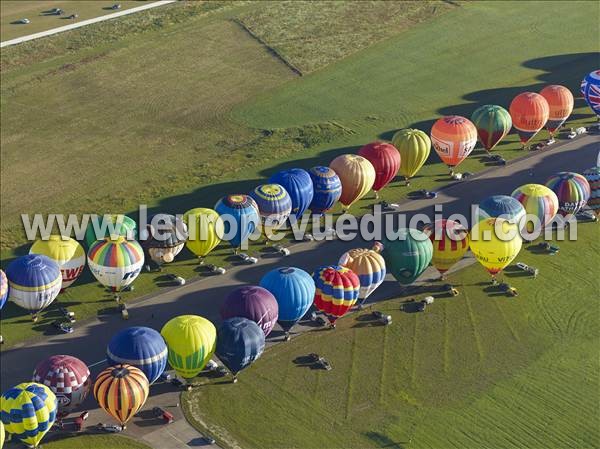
480,370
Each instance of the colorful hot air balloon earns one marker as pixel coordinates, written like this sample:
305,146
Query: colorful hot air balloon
592,175
3,289
337,290
414,147
240,217
493,123
121,391
501,206
495,242
116,263
408,256
450,242
453,138
164,238
539,201
327,189
572,190
385,158
205,228
141,347
1,435
191,341
357,176
529,112
240,342
68,378
34,281
560,102
67,253
590,88
294,290
99,228
255,303
274,206
368,265
28,411
299,186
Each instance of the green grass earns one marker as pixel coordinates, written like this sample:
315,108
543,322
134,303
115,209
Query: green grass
481,370
92,441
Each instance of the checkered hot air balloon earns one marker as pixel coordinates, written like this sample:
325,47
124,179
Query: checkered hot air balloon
593,178
337,290
368,265
590,88
450,243
572,190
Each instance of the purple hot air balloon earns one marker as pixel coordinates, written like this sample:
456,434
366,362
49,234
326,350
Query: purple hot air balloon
255,303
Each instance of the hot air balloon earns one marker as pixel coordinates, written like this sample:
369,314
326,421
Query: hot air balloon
493,123
28,411
3,289
206,229
141,347
560,102
68,254
590,88
337,290
592,175
385,158
408,256
191,342
327,189
255,303
529,112
99,228
116,263
240,342
1,435
299,186
501,206
240,217
495,242
121,391
450,242
414,147
572,190
164,238
453,138
539,201
357,176
34,281
68,378
274,206
294,290
368,265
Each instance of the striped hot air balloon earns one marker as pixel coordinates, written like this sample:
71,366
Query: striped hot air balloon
529,112
590,88
453,138
34,282
100,226
116,263
539,201
414,147
493,124
66,252
255,303
593,178
560,102
121,391
572,190
274,206
205,229
337,290
327,189
501,206
357,176
299,186
240,217
3,289
368,265
164,238
408,255
68,378
450,242
385,158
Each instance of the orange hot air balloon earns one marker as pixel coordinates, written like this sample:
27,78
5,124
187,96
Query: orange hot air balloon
453,138
560,100
357,176
529,112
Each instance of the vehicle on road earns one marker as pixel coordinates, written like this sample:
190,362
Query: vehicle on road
526,268
63,327
109,428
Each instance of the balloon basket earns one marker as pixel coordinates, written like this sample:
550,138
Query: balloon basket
287,337
234,380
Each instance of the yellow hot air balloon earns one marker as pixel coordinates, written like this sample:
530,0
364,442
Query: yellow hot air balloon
357,176
191,340
1,435
206,229
66,252
414,146
495,242
450,243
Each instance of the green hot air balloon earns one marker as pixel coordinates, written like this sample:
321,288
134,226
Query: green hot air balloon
414,146
408,256
493,123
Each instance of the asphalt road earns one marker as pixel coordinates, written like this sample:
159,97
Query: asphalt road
203,297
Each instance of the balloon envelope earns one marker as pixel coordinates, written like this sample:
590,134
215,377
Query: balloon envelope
357,176
299,186
385,158
205,228
529,112
255,303
274,205
450,242
495,243
327,189
590,88
164,237
3,289
240,342
572,190
240,212
67,253
407,256
453,138
493,123
337,290
368,265
34,281
592,175
414,147
102,226
116,263
560,102
539,201
501,206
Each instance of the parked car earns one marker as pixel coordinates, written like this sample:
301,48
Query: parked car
63,327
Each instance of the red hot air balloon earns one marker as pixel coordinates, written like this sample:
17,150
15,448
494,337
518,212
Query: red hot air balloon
386,161
453,138
337,290
255,303
529,112
560,101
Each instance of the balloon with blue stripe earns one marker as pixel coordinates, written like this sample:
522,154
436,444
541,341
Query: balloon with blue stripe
240,211
327,189
141,347
501,206
240,342
299,186
368,265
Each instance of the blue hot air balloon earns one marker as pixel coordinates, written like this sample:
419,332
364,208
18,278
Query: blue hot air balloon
274,206
3,289
294,290
239,343
501,206
243,211
141,347
299,186
327,189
